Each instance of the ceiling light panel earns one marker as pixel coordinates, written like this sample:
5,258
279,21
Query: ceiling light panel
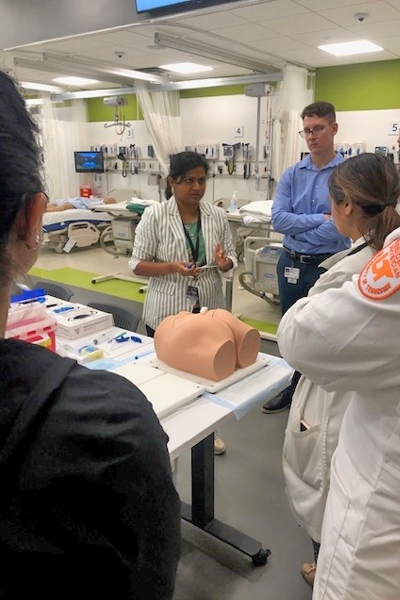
75,81
350,48
186,68
99,68
39,87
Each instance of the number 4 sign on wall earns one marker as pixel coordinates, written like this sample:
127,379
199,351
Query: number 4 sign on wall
394,128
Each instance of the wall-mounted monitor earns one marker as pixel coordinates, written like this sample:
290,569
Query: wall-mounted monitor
89,162
149,5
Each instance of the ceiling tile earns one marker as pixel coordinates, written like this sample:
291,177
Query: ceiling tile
304,23
385,29
280,44
377,12
311,58
215,20
270,10
327,36
247,33
318,5
391,43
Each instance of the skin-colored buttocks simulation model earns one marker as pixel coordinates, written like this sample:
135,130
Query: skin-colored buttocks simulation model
247,339
211,344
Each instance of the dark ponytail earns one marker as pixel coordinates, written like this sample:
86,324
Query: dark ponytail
386,222
371,182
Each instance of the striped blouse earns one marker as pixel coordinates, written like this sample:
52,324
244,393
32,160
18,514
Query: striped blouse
160,237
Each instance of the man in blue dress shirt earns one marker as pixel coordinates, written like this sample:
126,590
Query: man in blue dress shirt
302,212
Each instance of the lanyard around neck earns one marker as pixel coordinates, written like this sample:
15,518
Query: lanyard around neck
194,249
357,249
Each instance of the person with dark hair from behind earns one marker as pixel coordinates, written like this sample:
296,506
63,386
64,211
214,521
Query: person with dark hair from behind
364,192
88,505
175,240
301,211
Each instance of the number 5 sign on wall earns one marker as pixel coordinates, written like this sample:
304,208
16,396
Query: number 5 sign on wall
394,128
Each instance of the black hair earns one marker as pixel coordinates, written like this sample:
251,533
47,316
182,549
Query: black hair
20,165
180,164
321,109
371,183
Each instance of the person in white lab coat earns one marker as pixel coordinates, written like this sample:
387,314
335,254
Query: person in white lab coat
363,192
347,340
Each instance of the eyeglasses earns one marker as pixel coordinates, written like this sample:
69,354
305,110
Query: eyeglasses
316,131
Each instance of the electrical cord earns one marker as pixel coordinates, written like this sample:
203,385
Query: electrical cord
230,166
124,169
246,161
133,166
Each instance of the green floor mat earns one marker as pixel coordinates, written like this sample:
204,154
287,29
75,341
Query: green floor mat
263,326
115,287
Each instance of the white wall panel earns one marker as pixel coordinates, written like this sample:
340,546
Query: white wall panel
213,120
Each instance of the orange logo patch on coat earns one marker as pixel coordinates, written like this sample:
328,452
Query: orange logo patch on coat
380,278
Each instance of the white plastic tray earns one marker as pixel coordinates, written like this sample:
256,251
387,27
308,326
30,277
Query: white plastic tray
211,386
165,391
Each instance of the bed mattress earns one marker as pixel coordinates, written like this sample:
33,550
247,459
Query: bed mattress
54,221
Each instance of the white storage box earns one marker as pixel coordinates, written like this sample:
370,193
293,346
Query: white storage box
82,321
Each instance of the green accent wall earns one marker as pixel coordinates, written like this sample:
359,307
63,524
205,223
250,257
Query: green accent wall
224,90
98,111
367,86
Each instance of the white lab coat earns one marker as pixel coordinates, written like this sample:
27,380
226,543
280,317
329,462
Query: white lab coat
347,339
307,455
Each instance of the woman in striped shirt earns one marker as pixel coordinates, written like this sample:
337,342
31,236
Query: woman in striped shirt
184,246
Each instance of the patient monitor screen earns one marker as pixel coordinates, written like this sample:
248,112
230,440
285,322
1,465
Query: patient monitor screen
148,5
89,162
145,5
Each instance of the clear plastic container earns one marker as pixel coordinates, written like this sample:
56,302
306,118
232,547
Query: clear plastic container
233,206
31,322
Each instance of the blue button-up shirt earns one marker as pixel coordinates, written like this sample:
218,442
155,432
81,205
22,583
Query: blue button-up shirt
301,200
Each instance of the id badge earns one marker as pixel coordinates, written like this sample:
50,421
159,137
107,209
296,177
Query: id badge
292,274
192,294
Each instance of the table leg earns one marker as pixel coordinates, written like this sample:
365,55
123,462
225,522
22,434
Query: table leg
201,512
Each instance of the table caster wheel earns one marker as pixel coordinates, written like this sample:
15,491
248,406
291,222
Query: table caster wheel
260,559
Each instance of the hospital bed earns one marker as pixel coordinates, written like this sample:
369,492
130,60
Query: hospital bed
250,219
117,239
261,247
261,255
80,228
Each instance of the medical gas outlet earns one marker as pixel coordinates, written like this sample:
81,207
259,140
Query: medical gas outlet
209,151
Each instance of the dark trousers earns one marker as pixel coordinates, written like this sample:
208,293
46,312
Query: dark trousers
150,332
316,548
289,293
